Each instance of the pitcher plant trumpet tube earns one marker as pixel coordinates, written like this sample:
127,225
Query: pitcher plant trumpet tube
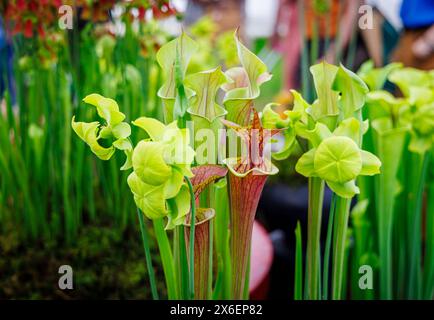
247,177
202,251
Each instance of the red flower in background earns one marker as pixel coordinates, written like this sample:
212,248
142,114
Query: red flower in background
160,9
28,29
31,16
163,9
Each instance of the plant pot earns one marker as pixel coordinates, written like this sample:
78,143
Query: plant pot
260,262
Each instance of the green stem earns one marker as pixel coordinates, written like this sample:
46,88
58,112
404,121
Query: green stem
326,263
211,204
66,165
145,240
363,239
388,147
192,230
415,198
218,287
340,237
316,196
166,258
298,282
181,262
429,246
210,259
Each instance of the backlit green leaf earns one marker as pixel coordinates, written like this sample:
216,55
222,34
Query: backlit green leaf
353,91
88,133
245,86
327,103
107,108
305,164
153,127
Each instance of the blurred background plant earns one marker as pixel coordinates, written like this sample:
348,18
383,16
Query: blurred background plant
49,184
51,187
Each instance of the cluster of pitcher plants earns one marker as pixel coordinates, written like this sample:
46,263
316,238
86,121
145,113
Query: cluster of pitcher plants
176,178
395,223
190,152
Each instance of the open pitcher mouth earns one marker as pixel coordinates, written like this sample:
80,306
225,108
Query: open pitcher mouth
242,170
203,215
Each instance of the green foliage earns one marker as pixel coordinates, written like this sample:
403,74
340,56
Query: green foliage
402,137
62,184
245,84
176,53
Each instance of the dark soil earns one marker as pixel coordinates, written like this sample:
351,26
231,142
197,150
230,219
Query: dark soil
106,263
